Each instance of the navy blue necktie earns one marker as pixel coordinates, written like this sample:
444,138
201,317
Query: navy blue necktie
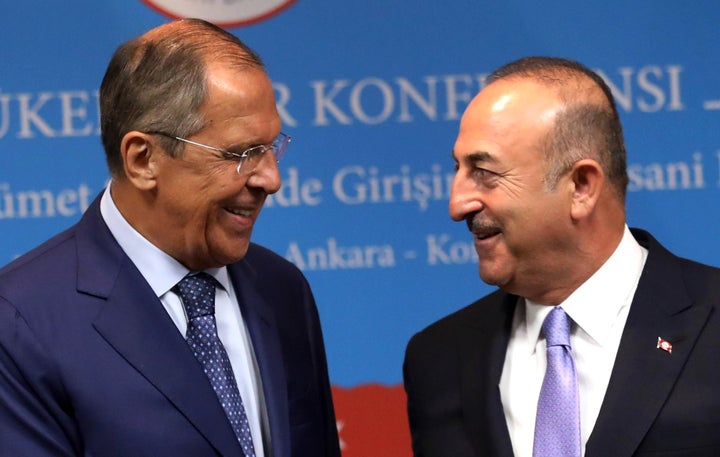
198,295
557,427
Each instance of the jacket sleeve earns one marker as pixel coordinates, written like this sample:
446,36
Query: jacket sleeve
35,414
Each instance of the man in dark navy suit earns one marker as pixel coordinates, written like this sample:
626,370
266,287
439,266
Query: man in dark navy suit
93,323
540,181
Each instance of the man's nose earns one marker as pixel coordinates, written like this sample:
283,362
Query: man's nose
464,199
266,174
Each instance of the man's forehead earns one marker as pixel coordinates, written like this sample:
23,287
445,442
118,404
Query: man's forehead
500,94
509,104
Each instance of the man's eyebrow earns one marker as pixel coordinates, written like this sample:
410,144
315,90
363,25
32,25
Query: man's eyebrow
481,156
478,156
241,147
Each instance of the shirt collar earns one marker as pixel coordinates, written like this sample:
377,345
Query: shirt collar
160,270
596,304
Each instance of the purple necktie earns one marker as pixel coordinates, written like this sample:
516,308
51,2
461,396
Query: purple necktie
198,295
557,427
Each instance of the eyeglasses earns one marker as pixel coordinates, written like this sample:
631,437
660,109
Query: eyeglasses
249,158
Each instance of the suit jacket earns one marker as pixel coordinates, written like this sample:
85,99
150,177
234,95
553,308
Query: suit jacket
657,403
91,363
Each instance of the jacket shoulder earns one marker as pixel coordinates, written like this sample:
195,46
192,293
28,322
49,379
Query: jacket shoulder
485,313
700,280
41,264
264,260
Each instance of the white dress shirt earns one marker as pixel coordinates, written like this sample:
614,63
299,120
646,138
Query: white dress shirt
162,273
598,310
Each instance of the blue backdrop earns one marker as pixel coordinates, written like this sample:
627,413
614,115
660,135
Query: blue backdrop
372,93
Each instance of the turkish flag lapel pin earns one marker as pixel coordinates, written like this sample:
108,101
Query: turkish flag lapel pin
664,345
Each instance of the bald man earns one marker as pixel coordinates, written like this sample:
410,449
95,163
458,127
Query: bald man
598,342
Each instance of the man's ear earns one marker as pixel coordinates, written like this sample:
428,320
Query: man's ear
140,155
588,181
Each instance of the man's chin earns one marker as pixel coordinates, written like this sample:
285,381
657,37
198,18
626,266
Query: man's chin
237,254
219,258
491,278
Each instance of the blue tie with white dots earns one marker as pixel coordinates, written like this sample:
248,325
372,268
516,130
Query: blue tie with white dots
198,295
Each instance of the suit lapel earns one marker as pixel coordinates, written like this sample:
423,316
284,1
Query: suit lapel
135,324
482,346
644,375
260,320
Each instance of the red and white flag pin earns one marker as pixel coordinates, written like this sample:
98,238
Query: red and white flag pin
664,345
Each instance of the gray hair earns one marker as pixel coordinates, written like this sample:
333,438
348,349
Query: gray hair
157,83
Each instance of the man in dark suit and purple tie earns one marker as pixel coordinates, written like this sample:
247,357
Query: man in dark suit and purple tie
154,327
599,342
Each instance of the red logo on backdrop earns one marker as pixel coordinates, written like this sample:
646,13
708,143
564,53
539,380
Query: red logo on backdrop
225,13
372,421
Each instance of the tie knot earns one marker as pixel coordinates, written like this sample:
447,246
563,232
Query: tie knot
198,294
556,328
